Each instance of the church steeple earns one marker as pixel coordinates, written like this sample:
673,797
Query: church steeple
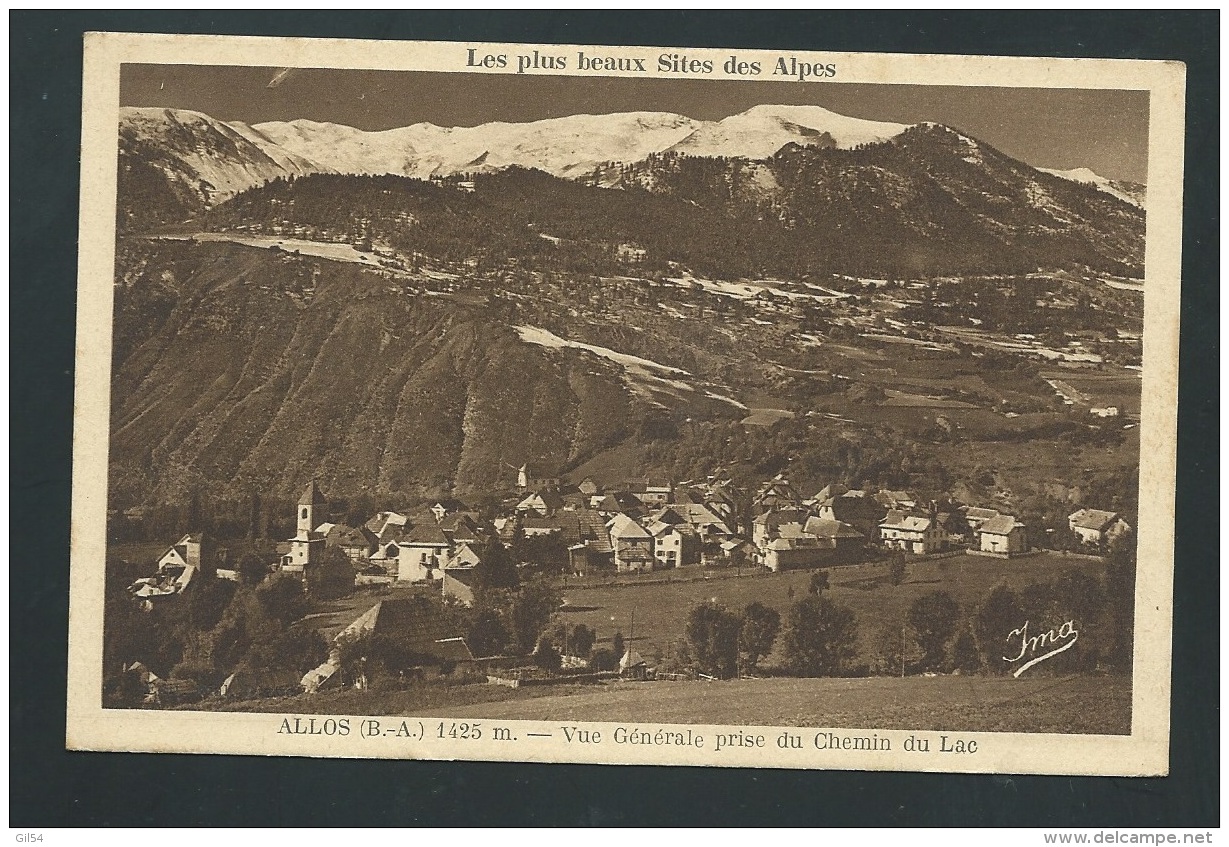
311,504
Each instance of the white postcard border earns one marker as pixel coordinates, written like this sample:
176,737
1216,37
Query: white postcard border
1144,752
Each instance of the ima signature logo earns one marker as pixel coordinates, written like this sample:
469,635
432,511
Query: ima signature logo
1053,641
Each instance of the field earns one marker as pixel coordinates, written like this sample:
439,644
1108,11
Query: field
660,609
1113,389
1076,705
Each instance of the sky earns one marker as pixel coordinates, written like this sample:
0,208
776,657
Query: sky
1106,131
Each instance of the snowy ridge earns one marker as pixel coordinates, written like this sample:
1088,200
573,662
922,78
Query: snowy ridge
219,159
644,377
1125,191
567,146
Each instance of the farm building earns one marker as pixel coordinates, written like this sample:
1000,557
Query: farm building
1094,526
459,584
417,623
1003,534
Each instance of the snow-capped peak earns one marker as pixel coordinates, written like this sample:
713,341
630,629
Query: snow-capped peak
762,130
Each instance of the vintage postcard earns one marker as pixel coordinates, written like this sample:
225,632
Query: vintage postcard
625,405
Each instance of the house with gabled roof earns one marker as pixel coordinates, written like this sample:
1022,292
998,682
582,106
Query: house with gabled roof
573,498
773,524
918,534
975,516
532,476
533,524
854,507
833,489
839,536
776,493
459,584
895,499
632,544
388,528
674,544
1096,526
653,491
545,501
419,623
587,540
446,506
621,503
699,516
423,550
464,528
358,543
465,555
1003,535
377,522
795,551
191,551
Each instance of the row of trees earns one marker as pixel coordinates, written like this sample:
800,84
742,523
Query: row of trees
820,637
936,634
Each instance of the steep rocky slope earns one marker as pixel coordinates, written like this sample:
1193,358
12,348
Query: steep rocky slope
247,369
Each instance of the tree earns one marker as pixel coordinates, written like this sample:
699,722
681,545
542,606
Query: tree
603,660
331,577
819,583
820,637
712,632
360,509
205,600
252,568
547,553
496,569
282,598
298,649
617,646
897,569
546,656
886,659
581,641
998,615
531,611
203,673
487,634
965,657
757,631
934,618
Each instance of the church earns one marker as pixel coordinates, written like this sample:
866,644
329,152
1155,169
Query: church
307,546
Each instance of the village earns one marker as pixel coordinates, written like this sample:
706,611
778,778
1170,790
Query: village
619,536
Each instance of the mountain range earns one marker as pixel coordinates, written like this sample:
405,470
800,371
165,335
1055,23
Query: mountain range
204,161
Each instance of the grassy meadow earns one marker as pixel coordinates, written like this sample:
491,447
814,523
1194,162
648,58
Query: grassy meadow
660,609
1097,705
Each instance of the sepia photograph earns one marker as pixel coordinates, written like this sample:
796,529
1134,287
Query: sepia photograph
707,406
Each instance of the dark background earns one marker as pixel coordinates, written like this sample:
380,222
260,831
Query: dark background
51,787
